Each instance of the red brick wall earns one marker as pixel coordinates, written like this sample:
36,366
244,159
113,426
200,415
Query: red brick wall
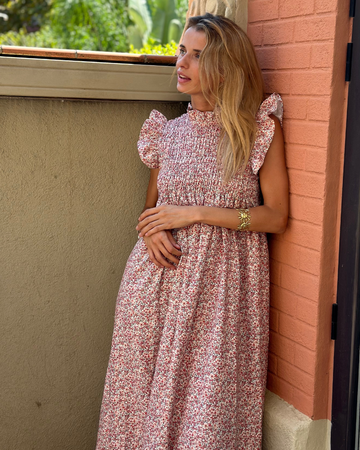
301,46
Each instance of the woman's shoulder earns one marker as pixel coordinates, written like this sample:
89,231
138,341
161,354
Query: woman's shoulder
272,105
157,121
152,134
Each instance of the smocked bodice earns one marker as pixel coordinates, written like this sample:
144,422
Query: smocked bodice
185,150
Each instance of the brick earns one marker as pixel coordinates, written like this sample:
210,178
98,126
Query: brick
310,83
303,402
267,57
295,156
306,133
315,160
284,252
297,331
294,57
278,32
292,9
309,261
277,82
322,55
305,359
283,300
293,375
274,320
255,33
306,209
282,347
272,367
295,107
318,108
259,10
301,283
322,6
280,387
276,237
304,234
275,272
315,29
306,311
307,184
307,285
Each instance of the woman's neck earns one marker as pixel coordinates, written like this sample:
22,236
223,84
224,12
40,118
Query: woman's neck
201,104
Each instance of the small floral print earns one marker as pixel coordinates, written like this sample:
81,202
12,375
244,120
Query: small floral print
188,361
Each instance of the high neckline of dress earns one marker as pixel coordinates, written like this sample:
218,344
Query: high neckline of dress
202,117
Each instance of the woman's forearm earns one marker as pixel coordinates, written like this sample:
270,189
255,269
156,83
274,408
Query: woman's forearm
152,192
262,218
167,217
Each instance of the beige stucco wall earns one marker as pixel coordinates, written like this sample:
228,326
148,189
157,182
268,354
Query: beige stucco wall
71,188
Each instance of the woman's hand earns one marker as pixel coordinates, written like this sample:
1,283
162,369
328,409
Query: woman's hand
165,217
163,245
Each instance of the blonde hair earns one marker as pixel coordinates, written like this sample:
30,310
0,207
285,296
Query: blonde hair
230,75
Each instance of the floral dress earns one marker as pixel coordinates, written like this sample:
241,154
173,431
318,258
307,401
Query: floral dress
188,361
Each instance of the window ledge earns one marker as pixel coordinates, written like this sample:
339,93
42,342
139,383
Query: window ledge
9,50
35,72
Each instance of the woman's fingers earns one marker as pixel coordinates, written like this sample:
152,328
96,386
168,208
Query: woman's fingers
143,223
161,249
169,255
145,226
149,231
152,217
172,240
160,258
149,212
170,245
153,259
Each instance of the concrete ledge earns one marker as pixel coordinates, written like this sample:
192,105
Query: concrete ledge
286,428
35,77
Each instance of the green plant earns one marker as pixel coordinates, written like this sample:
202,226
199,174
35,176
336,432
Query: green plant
91,24
107,25
154,48
29,14
43,38
75,24
157,19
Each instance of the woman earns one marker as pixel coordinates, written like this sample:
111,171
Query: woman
188,362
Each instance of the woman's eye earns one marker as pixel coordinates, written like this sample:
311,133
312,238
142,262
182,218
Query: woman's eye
181,51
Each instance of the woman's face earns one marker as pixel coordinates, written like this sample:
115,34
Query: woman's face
187,65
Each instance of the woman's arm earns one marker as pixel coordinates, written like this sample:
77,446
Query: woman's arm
160,245
271,217
152,192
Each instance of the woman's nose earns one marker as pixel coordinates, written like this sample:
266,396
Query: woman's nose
183,61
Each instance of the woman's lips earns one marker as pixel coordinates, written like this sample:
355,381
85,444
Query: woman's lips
183,79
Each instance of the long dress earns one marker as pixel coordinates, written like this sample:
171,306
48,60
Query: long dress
188,361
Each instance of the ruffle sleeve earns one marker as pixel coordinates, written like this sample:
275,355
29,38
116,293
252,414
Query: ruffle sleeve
149,139
266,128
